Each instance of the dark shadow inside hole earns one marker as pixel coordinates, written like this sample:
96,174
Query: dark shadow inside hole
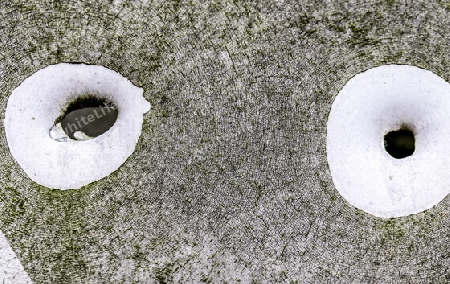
400,143
88,117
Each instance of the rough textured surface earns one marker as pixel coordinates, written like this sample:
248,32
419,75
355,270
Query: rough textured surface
229,181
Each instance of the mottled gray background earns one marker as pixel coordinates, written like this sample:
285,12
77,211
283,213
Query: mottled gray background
229,181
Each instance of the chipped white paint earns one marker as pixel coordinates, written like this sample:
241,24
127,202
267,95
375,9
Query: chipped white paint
34,105
11,270
370,105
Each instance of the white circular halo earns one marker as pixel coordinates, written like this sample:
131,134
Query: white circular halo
370,105
34,105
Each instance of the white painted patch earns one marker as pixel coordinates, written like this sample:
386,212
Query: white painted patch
11,270
370,105
34,105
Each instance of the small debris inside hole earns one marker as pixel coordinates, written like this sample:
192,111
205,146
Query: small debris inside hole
84,118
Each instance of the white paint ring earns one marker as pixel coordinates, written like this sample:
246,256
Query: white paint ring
34,105
11,270
373,103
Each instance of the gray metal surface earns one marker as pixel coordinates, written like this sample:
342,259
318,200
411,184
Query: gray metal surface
229,181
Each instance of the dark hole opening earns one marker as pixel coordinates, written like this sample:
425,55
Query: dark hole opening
400,143
88,117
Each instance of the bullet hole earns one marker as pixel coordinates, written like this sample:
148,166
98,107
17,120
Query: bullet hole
85,118
400,143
